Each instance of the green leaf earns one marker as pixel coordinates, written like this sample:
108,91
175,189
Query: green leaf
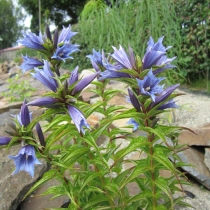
56,190
56,135
134,145
164,161
46,177
112,109
93,108
46,114
157,132
89,177
163,186
73,154
57,120
97,199
141,168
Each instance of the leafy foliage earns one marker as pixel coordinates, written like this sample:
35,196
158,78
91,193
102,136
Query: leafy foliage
194,21
95,175
58,12
18,91
10,23
130,23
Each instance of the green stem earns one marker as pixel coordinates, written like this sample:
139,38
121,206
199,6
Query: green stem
151,153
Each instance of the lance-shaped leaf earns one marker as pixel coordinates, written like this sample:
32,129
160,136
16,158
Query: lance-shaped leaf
40,135
45,102
83,83
4,140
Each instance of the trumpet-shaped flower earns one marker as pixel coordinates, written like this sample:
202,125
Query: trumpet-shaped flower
45,102
83,83
40,134
134,123
149,85
122,61
24,117
74,76
98,60
4,140
169,104
63,53
33,41
25,160
78,118
134,100
45,76
96,57
127,61
162,97
155,56
65,35
29,63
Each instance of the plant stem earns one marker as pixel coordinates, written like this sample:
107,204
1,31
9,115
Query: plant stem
151,153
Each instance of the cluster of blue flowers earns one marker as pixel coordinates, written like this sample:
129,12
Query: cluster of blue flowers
57,50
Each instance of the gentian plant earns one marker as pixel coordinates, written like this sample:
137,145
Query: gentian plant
93,175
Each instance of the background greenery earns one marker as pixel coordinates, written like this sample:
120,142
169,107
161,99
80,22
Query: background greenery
130,23
105,23
11,23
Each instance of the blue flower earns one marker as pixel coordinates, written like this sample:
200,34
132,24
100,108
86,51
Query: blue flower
45,76
134,100
25,160
149,85
162,97
65,35
78,118
96,57
40,135
63,52
29,63
74,76
33,41
124,60
112,73
4,140
45,102
24,117
155,56
98,60
83,83
169,104
134,123
80,85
